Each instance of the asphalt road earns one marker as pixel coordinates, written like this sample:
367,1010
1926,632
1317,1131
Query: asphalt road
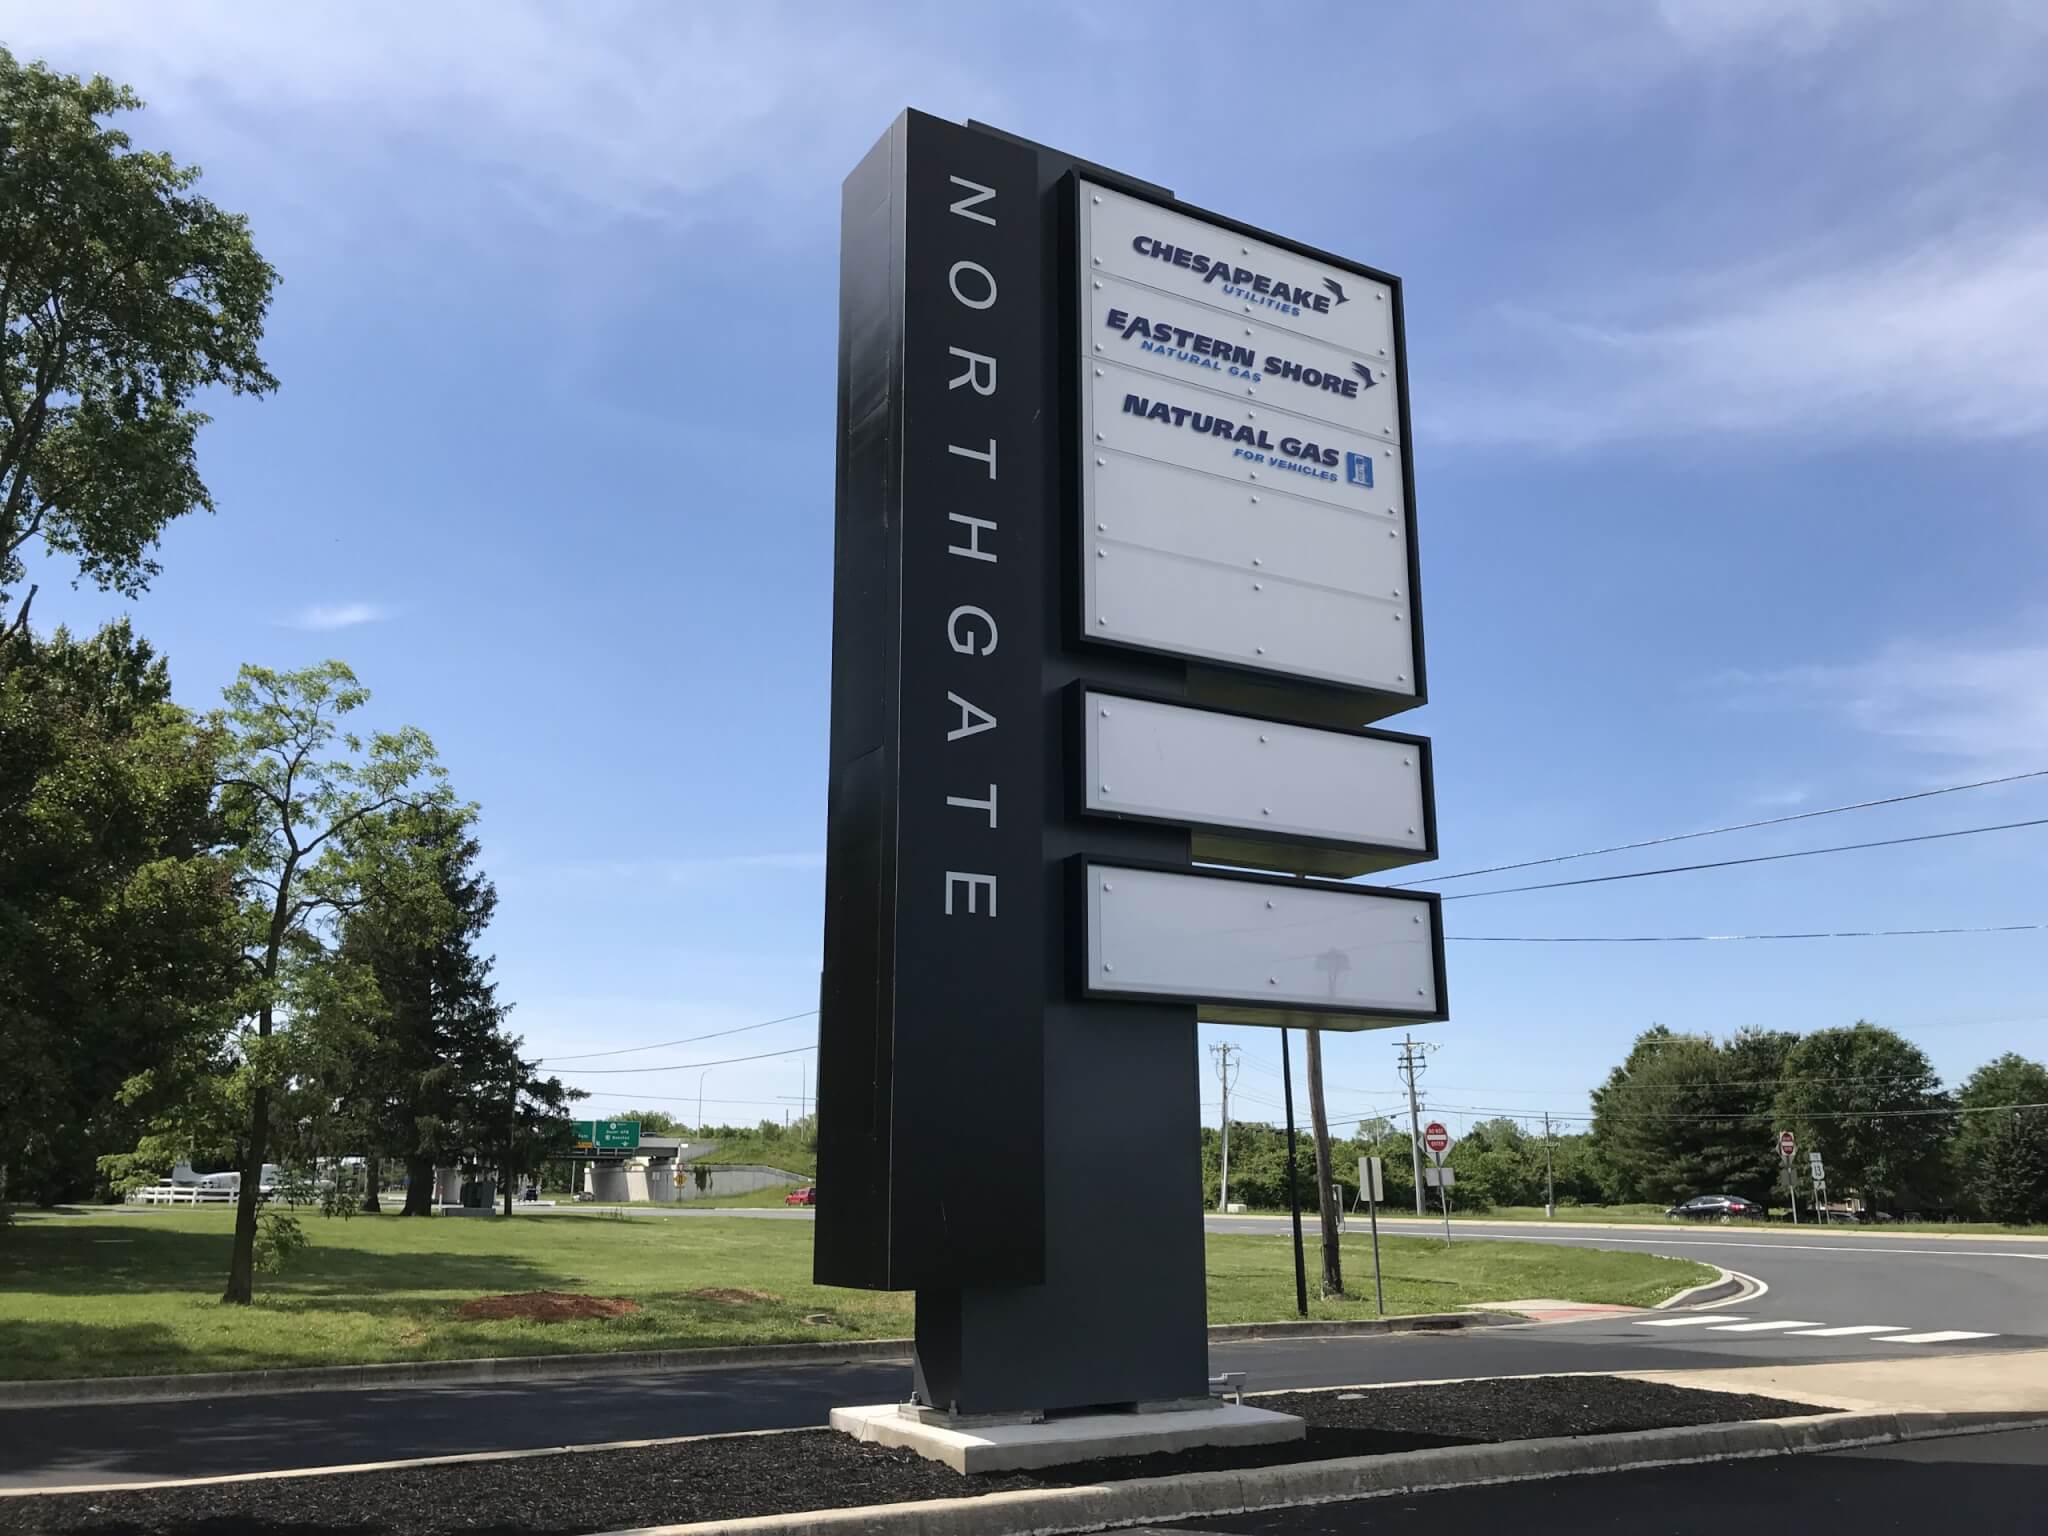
1996,1484
1918,1288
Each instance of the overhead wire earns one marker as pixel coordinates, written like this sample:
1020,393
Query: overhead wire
627,1050
1740,826
689,1066
1728,938
1755,858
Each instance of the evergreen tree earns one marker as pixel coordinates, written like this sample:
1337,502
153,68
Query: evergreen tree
440,1078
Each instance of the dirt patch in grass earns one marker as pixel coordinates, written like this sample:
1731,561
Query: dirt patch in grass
544,1307
729,1295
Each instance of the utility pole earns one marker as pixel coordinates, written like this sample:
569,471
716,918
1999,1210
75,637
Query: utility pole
1326,1194
1549,1177
1293,1188
1411,1065
1226,1074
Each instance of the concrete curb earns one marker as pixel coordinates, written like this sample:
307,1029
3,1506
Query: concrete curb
1732,1285
1201,1495
516,1368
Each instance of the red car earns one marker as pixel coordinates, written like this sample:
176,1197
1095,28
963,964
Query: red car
808,1195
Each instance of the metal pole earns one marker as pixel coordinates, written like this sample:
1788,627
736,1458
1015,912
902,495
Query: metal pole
1549,1178
1792,1190
1443,1198
1379,1293
1414,1119
1293,1183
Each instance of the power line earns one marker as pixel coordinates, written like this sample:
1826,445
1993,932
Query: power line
1729,938
1756,858
1767,1117
627,1050
688,1066
1742,826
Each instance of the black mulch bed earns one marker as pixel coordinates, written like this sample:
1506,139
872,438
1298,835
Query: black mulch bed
820,1469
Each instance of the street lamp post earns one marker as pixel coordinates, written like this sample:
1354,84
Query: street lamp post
700,1099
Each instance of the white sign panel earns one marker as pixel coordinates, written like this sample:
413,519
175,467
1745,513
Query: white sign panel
1372,1179
1358,799
1179,561
1435,1177
1244,493
1185,342
1261,951
1127,237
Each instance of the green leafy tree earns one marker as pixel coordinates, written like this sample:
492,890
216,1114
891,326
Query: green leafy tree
1687,1115
2000,1152
1869,1101
123,294
117,912
305,800
2013,1175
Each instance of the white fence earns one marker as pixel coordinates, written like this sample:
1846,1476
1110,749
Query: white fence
167,1193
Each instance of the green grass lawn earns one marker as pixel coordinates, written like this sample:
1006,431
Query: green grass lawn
136,1293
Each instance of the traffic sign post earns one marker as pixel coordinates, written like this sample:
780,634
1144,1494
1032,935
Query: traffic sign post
1820,1186
1438,1140
1372,1183
1787,1145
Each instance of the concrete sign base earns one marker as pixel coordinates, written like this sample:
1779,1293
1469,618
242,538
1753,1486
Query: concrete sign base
1009,1447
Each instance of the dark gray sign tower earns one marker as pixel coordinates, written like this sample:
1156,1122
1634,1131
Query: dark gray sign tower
1009,1124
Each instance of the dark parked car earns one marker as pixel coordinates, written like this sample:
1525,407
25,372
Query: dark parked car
1717,1208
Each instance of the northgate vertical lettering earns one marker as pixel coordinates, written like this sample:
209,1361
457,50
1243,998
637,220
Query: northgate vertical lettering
971,629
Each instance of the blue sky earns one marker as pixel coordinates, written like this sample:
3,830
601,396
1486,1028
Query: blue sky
1728,330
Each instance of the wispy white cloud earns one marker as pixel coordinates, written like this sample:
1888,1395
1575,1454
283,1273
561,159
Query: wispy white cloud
338,615
1784,798
630,109
1945,337
1980,708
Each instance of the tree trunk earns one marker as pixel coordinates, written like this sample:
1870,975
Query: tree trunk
373,1175
242,1261
419,1186
1326,1194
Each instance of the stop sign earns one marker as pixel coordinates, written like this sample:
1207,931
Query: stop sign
1786,1145
1435,1137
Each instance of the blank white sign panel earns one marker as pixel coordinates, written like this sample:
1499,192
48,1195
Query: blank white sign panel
1265,946
1130,238
1240,358
1174,564
1171,762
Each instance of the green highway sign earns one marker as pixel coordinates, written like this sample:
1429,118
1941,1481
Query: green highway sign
608,1135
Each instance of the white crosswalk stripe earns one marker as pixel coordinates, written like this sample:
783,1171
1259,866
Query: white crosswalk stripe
1793,1328
1942,1336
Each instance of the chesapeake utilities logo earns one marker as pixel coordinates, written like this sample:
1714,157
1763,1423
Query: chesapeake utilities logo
1256,445
1246,283
1179,344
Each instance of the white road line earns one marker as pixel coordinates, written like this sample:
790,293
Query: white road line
1687,1322
1759,1327
1849,1248
1843,1333
1944,1336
